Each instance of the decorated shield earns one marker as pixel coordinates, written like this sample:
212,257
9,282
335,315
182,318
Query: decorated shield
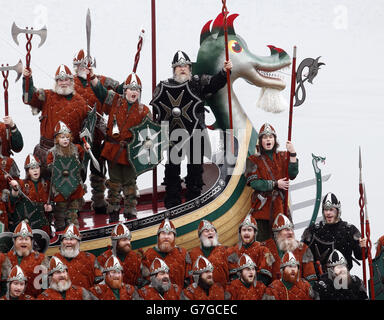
378,276
65,175
145,149
31,211
90,124
321,249
176,104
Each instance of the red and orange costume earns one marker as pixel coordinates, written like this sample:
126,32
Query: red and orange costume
380,246
238,290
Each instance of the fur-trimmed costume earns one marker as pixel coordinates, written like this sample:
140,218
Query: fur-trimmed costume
131,264
103,292
28,264
195,292
150,293
83,270
302,254
177,261
13,143
277,290
73,293
218,256
380,246
238,290
258,253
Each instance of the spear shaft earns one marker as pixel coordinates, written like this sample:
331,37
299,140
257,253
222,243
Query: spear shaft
361,204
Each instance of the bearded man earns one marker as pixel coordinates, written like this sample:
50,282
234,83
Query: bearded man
113,288
338,283
60,284
283,241
161,287
211,249
16,285
201,87
246,286
203,287
121,248
247,244
83,268
175,257
291,286
59,104
22,254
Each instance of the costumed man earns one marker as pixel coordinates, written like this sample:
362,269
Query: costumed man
175,257
60,285
83,267
213,251
283,241
203,286
32,263
122,249
16,285
338,283
200,88
64,161
379,246
246,286
266,175
161,287
29,198
290,286
258,253
113,287
10,140
124,112
83,88
333,233
59,104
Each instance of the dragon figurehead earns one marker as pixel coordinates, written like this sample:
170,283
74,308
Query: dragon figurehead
257,70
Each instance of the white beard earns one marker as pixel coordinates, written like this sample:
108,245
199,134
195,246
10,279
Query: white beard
82,74
70,253
271,100
64,91
207,243
287,244
182,77
60,287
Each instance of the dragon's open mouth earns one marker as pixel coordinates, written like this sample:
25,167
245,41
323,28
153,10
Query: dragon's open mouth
278,74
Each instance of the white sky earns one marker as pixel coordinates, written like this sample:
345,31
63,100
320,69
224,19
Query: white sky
343,108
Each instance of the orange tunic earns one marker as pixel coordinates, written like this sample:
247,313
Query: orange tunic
55,107
380,246
238,291
258,253
28,264
150,293
73,293
302,254
103,292
195,292
301,290
115,149
5,143
131,265
176,260
83,270
79,192
219,259
278,167
23,296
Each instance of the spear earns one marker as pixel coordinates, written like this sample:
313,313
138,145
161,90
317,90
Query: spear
361,204
369,246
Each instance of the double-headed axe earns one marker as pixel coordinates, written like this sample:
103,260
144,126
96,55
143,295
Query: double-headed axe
84,134
18,67
28,34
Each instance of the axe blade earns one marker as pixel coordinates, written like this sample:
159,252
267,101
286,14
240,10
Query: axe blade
16,31
18,67
86,133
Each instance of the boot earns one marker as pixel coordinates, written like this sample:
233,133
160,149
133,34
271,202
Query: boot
114,216
99,205
130,213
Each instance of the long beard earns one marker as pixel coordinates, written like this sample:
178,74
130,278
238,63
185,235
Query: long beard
114,283
166,246
207,243
70,252
180,78
159,285
287,244
271,100
23,252
82,74
64,91
61,285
